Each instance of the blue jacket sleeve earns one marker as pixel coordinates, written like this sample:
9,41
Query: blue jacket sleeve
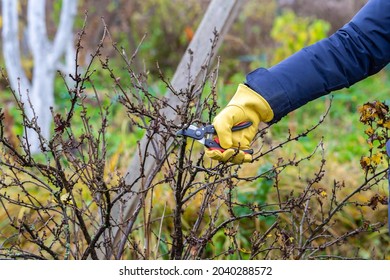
359,49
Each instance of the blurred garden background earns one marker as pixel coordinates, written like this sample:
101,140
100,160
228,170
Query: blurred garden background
264,33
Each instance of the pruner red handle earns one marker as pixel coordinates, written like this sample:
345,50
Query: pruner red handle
214,145
241,126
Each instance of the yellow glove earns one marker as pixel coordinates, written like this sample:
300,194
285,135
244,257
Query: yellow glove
246,105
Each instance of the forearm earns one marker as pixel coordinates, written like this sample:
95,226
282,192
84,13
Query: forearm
359,49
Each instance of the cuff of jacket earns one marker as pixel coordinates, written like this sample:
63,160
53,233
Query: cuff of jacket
263,82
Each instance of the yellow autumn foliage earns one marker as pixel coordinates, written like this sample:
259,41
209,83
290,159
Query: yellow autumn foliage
292,33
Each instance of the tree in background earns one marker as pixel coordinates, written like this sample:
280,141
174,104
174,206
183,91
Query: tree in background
37,93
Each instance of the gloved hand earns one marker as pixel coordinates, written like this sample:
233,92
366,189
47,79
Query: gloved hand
246,105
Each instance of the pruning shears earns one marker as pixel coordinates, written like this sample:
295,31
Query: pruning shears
206,135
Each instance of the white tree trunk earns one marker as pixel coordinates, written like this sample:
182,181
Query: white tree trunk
46,55
11,50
